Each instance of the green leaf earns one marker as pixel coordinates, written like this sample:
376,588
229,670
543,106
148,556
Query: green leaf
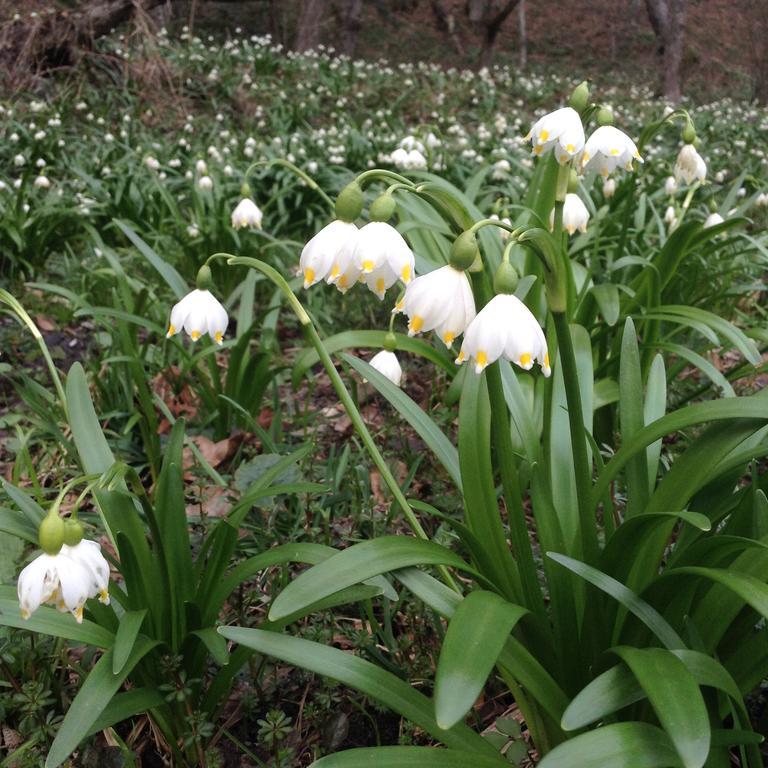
215,643
646,613
49,621
125,705
125,638
356,564
429,432
476,635
675,698
622,745
408,757
91,700
655,407
362,676
31,509
607,298
14,523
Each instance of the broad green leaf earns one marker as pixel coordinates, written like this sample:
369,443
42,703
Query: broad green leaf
408,757
362,676
655,407
429,432
16,524
31,509
125,638
705,366
622,745
91,700
476,635
675,698
125,705
607,298
356,564
49,621
215,644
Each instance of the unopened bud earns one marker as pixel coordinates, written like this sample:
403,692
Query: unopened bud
204,278
383,207
245,189
688,134
505,280
580,96
50,534
349,203
464,251
73,532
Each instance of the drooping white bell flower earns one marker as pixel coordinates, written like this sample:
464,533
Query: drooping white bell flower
42,182
399,157
690,166
199,312
575,214
670,216
439,301
609,188
609,148
670,186
387,364
328,256
205,183
505,326
560,131
246,214
65,580
713,220
383,257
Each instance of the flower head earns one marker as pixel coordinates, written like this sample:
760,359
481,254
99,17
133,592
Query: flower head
505,327
439,301
670,186
387,364
383,257
713,220
607,149
329,256
609,188
689,165
65,580
560,131
197,313
246,214
575,214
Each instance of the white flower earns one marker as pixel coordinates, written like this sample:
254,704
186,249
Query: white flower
575,214
505,326
201,167
609,188
607,149
246,214
151,162
329,256
689,165
561,131
670,186
670,216
197,313
720,177
439,301
42,182
387,364
762,200
205,183
399,158
65,580
19,160
713,220
383,257
416,160
192,230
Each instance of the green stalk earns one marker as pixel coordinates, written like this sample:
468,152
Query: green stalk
308,180
581,465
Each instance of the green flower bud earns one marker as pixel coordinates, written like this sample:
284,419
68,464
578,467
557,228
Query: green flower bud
573,181
349,203
505,280
50,534
689,133
390,342
73,532
204,278
464,251
580,96
383,207
245,189
605,116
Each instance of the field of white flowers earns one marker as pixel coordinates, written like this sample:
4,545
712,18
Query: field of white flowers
531,529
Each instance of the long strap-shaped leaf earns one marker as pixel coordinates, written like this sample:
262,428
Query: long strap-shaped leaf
358,563
363,676
408,757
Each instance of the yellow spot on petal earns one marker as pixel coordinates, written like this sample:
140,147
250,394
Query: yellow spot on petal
399,306
335,271
448,338
614,152
218,336
78,613
546,360
538,150
195,335
543,136
25,614
405,275
461,358
525,360
104,596
416,324
367,266
309,276
171,331
380,285
482,358
570,149
585,157
343,282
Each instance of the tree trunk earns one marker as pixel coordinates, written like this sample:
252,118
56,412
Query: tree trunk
308,32
492,21
667,18
522,35
351,24
446,22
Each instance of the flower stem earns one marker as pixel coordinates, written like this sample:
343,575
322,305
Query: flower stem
310,182
381,173
581,464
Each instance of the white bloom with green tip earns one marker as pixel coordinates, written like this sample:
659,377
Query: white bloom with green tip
387,364
329,256
383,257
199,312
607,149
690,165
246,214
560,131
